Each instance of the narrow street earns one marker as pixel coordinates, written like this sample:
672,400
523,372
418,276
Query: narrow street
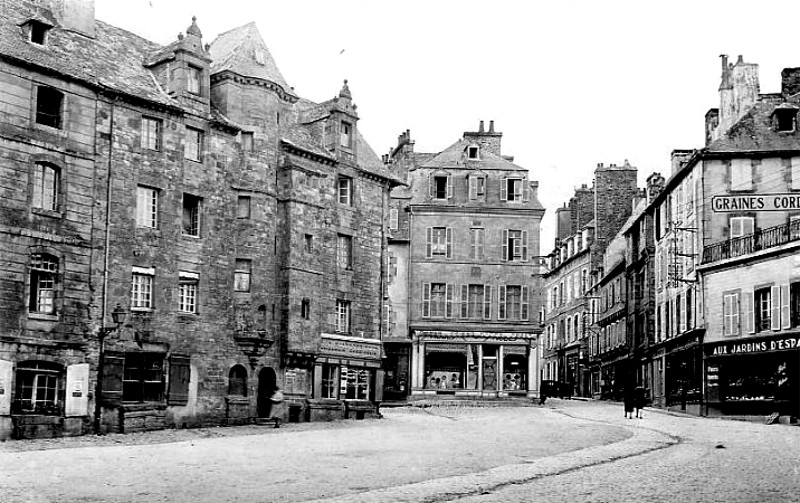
567,451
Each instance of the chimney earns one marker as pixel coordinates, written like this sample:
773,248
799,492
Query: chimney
655,184
480,127
679,159
790,81
489,141
491,126
74,15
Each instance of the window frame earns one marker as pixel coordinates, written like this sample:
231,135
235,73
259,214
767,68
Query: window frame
197,73
343,316
344,190
243,207
147,206
191,215
762,308
344,251
193,137
741,220
27,388
150,133
141,381
188,292
142,283
346,135
242,275
44,109
44,275
46,191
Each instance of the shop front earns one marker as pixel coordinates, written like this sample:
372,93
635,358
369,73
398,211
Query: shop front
756,376
478,364
397,367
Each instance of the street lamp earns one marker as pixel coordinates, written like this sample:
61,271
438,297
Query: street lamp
118,317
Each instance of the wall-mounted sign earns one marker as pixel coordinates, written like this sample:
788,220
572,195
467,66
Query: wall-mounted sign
755,202
338,346
748,347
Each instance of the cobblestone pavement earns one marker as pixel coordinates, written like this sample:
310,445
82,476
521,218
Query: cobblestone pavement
298,462
568,451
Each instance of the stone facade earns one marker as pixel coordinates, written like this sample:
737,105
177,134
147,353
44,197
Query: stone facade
240,228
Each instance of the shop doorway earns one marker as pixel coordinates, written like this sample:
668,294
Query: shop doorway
267,383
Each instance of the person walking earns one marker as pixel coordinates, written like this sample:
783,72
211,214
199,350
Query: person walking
627,401
639,400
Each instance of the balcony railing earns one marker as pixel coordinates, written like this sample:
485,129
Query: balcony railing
761,239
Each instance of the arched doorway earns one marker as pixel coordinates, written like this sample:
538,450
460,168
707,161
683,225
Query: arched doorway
267,381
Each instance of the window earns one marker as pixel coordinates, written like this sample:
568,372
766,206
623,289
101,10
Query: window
394,218
188,292
476,301
146,207
439,242
472,152
309,240
45,186
513,303
193,75
511,190
241,275
237,381
344,251
515,245
330,381
49,106
345,190
247,141
741,226
44,278
151,133
741,174
143,377
305,309
38,32
243,207
40,388
437,300
477,187
785,119
343,316
191,215
194,144
346,135
441,187
142,288
763,309
477,241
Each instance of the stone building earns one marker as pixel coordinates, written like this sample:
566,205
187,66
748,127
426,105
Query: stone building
463,271
239,227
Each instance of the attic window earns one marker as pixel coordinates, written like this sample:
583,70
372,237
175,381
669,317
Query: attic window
472,152
37,32
785,119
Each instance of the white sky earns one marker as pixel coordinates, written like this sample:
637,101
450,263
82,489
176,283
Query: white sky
568,83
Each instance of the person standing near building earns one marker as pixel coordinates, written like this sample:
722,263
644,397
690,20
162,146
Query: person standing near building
639,400
627,400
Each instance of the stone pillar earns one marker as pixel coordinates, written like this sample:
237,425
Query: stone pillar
501,374
317,392
480,367
533,369
421,369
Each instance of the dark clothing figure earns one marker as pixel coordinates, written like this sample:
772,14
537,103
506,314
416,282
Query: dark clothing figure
639,400
627,400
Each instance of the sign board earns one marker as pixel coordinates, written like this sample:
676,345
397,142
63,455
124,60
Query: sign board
756,202
349,348
750,347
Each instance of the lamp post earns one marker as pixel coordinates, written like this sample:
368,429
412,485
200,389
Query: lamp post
118,317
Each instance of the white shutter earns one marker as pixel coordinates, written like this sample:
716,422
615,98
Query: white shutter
487,302
503,190
6,376
504,238
748,316
525,246
426,300
429,242
431,186
464,301
786,320
736,322
473,187
775,308
449,241
501,303
525,190
76,401
449,187
473,243
448,300
524,308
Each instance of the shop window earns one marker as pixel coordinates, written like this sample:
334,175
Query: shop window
151,134
343,316
46,180
193,148
146,207
515,245
39,388
191,215
344,251
763,309
44,279
241,275
794,295
355,383
142,288
345,190
187,298
49,106
143,377
243,207
237,381
439,242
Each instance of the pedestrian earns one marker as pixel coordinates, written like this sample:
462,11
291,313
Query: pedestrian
639,400
627,401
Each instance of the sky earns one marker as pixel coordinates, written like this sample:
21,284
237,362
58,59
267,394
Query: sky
570,84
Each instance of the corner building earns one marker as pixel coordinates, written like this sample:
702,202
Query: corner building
239,227
464,274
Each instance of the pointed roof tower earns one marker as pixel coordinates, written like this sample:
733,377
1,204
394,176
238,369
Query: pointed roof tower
242,51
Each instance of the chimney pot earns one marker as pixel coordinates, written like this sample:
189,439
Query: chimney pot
739,59
480,127
491,126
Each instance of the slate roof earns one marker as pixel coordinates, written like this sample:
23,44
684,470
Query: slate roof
754,131
454,156
112,60
243,51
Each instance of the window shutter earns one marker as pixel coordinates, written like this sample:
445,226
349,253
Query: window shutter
394,218
681,315
426,300
786,321
501,303
487,302
481,243
737,324
449,187
113,368
449,241
448,309
748,320
464,300
429,242
473,243
179,373
525,249
473,187
775,308
525,190
524,307
748,226
503,189
431,186
504,238
518,190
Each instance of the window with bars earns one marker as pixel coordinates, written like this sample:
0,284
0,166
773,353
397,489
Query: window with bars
143,377
43,283
39,388
187,298
193,148
46,178
343,316
241,275
151,133
146,207
141,290
49,107
191,215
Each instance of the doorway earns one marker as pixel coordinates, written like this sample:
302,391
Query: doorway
267,383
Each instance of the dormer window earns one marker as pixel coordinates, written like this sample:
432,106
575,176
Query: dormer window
346,135
785,119
37,32
472,152
193,79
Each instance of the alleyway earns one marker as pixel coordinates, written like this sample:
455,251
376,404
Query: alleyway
475,454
